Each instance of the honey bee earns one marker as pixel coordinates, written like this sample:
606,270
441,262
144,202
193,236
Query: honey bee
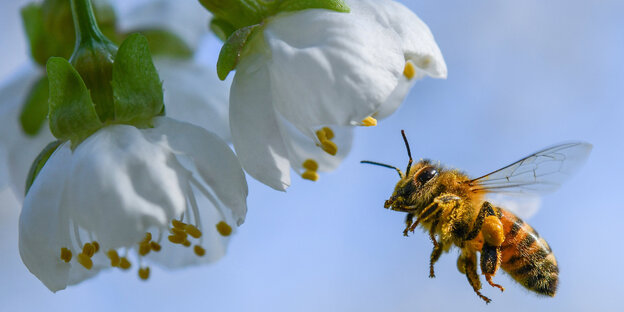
453,209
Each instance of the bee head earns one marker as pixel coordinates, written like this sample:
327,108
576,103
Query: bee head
416,188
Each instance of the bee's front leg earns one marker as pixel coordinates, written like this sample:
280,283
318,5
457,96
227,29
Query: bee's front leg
437,247
409,219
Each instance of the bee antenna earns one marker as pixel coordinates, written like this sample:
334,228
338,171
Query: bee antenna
382,165
409,153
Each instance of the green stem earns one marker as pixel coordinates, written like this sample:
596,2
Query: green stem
84,22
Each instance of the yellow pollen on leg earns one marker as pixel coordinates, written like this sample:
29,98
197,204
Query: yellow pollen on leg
144,273
224,229
192,230
199,250
85,261
124,263
114,257
155,246
310,164
369,122
88,250
409,71
329,147
66,254
310,175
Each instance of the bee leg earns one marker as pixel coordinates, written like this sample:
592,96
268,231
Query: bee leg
467,264
490,262
485,211
409,220
437,247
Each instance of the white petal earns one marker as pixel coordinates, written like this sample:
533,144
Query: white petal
215,162
185,18
255,130
44,225
396,98
20,149
194,94
121,184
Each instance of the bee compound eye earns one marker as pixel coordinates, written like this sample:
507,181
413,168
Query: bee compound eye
426,175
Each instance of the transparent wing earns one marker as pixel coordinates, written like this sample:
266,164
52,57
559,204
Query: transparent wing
540,172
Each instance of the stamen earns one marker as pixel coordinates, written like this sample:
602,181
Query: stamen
144,273
329,134
178,224
224,229
66,254
193,231
320,134
148,237
186,243
124,263
85,261
144,248
178,231
155,246
310,164
310,175
409,71
114,257
96,245
369,122
329,147
177,239
88,250
199,251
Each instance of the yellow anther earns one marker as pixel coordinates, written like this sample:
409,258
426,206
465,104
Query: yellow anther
177,224
177,239
144,273
178,231
329,133
224,228
409,71
144,248
329,147
124,263
193,231
96,246
369,122
114,257
310,164
199,250
88,250
85,261
148,237
66,254
155,246
310,175
186,243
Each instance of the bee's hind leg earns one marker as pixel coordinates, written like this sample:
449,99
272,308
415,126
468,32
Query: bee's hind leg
467,264
437,247
490,262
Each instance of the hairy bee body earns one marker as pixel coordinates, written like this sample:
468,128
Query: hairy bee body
452,208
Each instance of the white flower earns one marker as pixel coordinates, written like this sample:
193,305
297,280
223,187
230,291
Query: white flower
202,104
319,68
122,183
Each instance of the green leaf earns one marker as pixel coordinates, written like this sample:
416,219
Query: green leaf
232,49
35,108
238,13
71,113
221,28
298,5
162,42
137,88
33,25
39,162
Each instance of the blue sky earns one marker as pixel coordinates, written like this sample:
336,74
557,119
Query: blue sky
523,75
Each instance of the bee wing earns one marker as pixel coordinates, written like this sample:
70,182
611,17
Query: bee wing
540,172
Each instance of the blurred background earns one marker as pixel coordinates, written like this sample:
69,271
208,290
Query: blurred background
523,75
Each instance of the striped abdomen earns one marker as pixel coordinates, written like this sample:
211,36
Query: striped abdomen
527,257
